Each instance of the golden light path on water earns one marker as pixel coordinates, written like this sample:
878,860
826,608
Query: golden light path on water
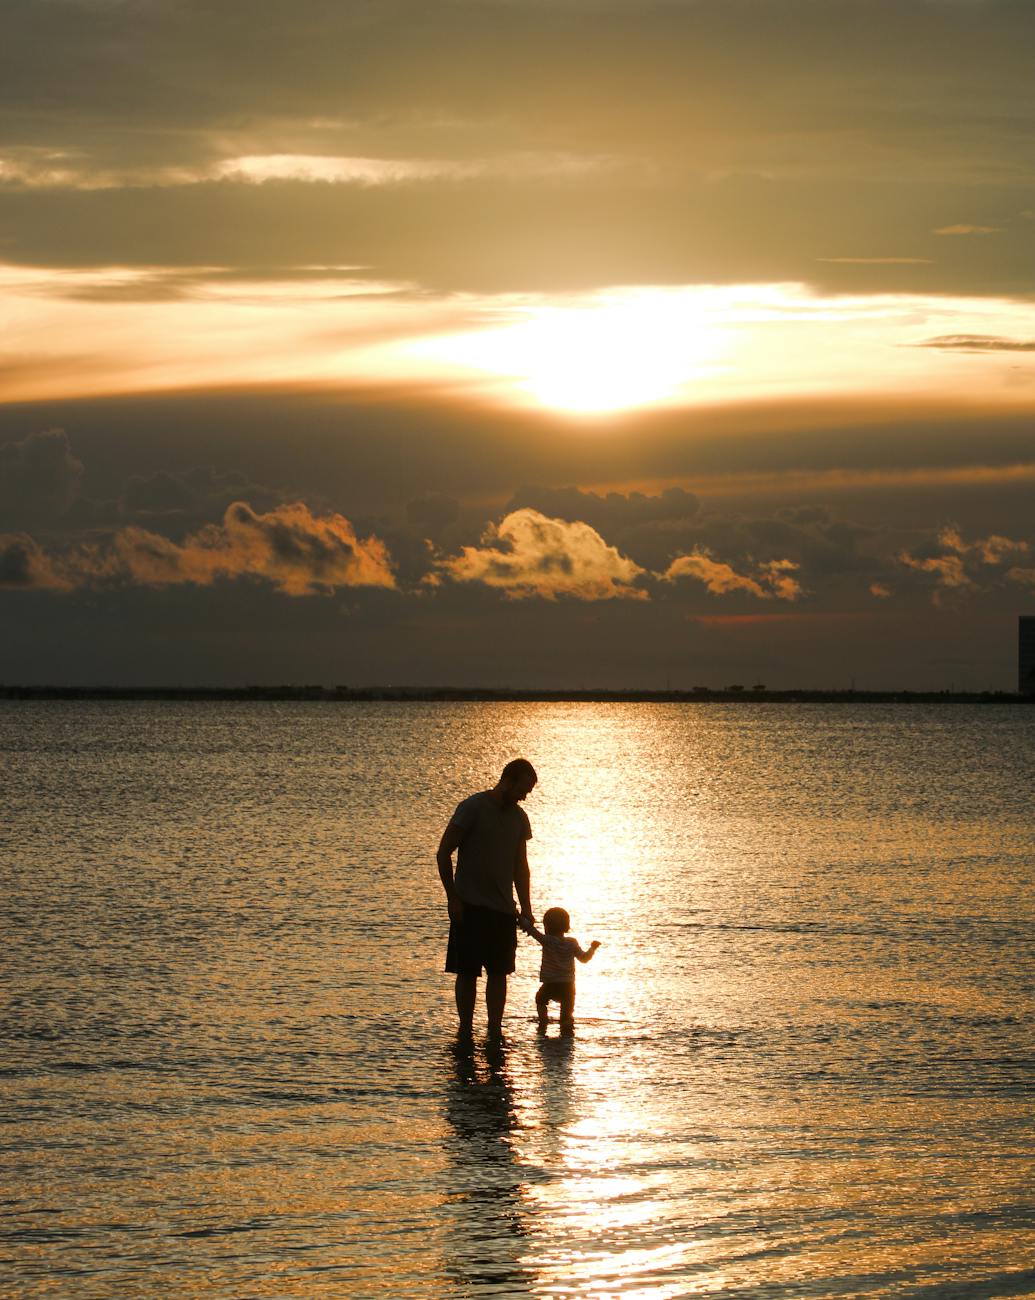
657,1164
801,1064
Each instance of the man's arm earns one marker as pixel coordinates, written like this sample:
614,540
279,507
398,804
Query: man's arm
448,845
523,884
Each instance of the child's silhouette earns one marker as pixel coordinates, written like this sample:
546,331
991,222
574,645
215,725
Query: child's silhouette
557,970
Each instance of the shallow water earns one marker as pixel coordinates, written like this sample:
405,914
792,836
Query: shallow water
803,1058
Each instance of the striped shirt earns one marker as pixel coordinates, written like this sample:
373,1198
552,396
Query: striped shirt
558,964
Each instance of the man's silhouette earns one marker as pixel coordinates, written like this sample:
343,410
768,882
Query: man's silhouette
488,832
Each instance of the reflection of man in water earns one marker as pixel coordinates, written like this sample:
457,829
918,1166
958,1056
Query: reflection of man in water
488,832
484,1196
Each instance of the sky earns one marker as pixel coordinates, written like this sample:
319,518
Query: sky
580,343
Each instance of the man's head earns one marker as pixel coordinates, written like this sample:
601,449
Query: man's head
516,780
556,921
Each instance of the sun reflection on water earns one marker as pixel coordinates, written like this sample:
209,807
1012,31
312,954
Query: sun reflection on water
733,1089
801,1065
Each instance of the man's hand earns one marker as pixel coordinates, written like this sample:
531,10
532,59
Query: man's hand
526,921
456,910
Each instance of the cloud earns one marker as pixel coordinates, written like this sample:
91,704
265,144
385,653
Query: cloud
331,169
647,527
1022,575
191,497
989,550
705,178
977,343
432,511
968,230
948,569
876,261
959,566
57,169
671,536
161,493
772,578
25,566
299,553
201,284
39,476
528,554
879,590
608,510
776,574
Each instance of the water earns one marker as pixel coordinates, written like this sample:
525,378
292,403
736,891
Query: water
803,1058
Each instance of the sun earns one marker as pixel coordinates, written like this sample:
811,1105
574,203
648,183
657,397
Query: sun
616,351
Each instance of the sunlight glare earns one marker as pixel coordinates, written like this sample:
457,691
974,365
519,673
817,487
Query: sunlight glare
621,349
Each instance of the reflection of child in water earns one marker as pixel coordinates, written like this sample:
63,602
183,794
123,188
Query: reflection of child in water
557,970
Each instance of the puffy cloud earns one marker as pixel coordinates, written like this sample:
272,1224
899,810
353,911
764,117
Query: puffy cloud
298,552
948,569
529,554
25,566
828,549
773,578
39,476
960,564
777,576
989,550
1022,575
718,577
997,550
647,527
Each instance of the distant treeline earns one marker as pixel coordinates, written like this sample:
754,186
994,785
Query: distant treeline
461,694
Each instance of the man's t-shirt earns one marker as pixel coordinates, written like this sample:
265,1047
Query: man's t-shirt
493,836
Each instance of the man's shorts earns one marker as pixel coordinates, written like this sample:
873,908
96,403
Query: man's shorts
484,938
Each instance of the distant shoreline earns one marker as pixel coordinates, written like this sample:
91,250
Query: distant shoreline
462,695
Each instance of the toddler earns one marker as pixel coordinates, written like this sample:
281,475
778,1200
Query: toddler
557,970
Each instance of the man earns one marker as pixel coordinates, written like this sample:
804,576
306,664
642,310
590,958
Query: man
490,831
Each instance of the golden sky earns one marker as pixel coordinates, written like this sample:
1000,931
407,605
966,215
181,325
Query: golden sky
399,318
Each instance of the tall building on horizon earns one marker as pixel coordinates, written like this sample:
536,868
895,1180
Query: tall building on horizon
1026,654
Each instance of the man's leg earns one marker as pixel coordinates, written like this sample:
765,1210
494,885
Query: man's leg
466,995
495,1001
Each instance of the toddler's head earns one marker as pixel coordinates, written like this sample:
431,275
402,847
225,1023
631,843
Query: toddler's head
556,921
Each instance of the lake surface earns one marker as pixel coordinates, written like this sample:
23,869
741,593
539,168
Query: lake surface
803,1061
